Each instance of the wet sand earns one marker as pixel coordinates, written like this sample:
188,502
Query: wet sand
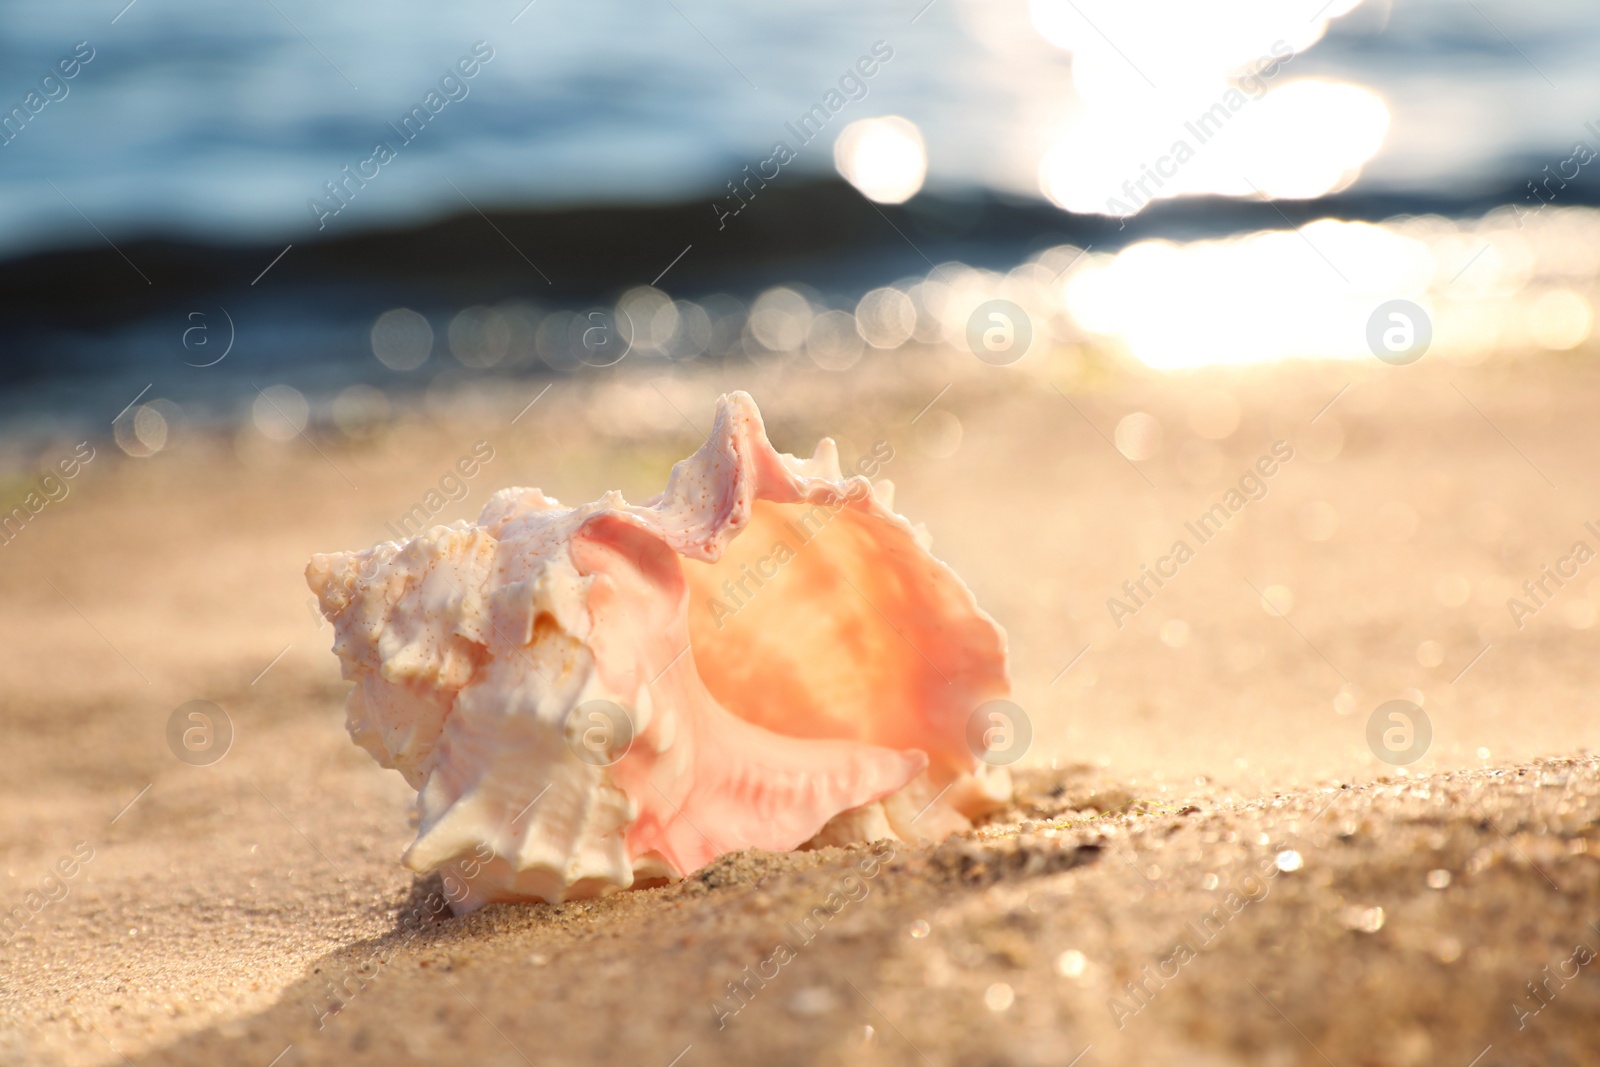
1177,761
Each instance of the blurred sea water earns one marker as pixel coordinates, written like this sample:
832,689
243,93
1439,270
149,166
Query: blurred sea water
223,120
235,122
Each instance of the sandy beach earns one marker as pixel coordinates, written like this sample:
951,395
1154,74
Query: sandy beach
1206,862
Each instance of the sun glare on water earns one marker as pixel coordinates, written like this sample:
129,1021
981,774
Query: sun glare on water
884,157
1197,100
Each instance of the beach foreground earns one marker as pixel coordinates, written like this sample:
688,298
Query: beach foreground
1200,812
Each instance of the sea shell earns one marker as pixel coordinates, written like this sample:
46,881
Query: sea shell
588,698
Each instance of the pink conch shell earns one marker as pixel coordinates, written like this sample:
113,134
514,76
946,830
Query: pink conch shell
763,655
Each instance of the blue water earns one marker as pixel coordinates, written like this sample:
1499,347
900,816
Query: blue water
223,120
